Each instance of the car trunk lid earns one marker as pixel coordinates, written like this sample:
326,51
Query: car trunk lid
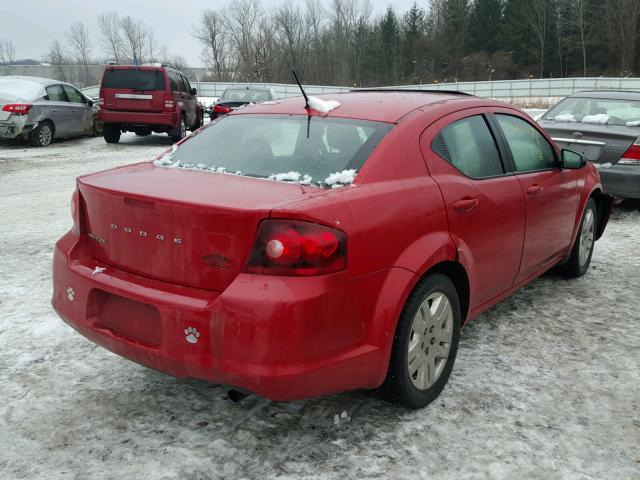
134,89
596,143
182,226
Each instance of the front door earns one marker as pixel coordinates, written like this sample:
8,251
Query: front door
82,116
550,193
484,201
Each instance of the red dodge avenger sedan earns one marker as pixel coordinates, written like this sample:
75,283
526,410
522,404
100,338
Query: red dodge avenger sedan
291,251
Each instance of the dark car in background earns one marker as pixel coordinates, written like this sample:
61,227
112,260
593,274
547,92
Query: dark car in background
146,99
41,109
235,97
604,127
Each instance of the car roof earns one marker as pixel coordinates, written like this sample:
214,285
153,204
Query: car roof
142,67
613,94
45,82
376,105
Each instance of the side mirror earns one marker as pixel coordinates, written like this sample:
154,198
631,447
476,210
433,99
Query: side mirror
572,160
89,102
194,91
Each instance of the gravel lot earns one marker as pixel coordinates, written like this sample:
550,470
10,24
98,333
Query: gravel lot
546,385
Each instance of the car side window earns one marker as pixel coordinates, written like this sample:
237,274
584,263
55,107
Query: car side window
73,95
56,93
175,86
187,85
530,150
469,146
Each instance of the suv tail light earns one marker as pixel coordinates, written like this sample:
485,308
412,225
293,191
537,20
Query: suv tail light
17,108
631,156
297,248
100,101
221,109
168,102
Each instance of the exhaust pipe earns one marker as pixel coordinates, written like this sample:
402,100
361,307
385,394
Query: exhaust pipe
236,396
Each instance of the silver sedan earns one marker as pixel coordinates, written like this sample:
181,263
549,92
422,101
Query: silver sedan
40,109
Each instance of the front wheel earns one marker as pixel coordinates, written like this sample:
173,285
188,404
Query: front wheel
425,345
580,257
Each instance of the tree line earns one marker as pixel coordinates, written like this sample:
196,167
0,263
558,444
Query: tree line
341,42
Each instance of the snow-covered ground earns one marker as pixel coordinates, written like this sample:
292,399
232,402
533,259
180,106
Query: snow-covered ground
546,385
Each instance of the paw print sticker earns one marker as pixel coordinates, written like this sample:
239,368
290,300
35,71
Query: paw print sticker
192,334
71,294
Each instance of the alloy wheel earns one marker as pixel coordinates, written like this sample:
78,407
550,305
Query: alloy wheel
586,236
430,340
44,135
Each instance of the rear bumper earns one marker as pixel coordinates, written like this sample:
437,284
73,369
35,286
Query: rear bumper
138,118
283,338
15,127
621,180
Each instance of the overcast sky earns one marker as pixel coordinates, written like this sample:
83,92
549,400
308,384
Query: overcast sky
33,24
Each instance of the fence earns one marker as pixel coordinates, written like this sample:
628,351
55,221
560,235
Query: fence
500,89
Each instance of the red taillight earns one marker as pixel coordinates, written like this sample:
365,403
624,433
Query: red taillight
17,108
292,247
221,109
75,212
168,102
100,101
631,156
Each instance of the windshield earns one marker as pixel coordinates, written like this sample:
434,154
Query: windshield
309,150
599,111
134,79
245,95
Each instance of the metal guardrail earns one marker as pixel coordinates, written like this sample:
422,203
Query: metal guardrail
507,89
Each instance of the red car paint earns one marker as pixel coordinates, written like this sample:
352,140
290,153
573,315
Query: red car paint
174,244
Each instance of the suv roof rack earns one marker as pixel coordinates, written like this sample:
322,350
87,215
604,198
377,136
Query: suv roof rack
412,90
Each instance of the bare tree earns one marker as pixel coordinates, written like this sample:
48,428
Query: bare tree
242,19
134,38
536,17
78,37
211,33
314,18
624,15
293,34
59,60
110,39
7,55
580,23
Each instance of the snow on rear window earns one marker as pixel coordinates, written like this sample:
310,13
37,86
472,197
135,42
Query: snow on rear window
16,89
596,111
314,150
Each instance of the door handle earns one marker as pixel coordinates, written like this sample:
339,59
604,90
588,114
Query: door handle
466,204
534,189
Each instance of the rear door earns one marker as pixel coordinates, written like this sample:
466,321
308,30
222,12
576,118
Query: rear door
550,192
81,112
59,111
190,102
133,89
484,201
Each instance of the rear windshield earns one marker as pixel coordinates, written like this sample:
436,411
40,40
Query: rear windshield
602,111
134,79
309,150
245,95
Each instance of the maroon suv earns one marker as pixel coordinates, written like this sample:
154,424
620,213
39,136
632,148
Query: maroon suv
145,99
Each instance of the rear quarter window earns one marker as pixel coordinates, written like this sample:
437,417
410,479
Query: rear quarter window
133,79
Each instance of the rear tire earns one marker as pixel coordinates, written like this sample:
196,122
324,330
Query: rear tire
180,132
42,136
425,344
111,133
582,251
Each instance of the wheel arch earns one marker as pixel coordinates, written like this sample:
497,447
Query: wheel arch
604,205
